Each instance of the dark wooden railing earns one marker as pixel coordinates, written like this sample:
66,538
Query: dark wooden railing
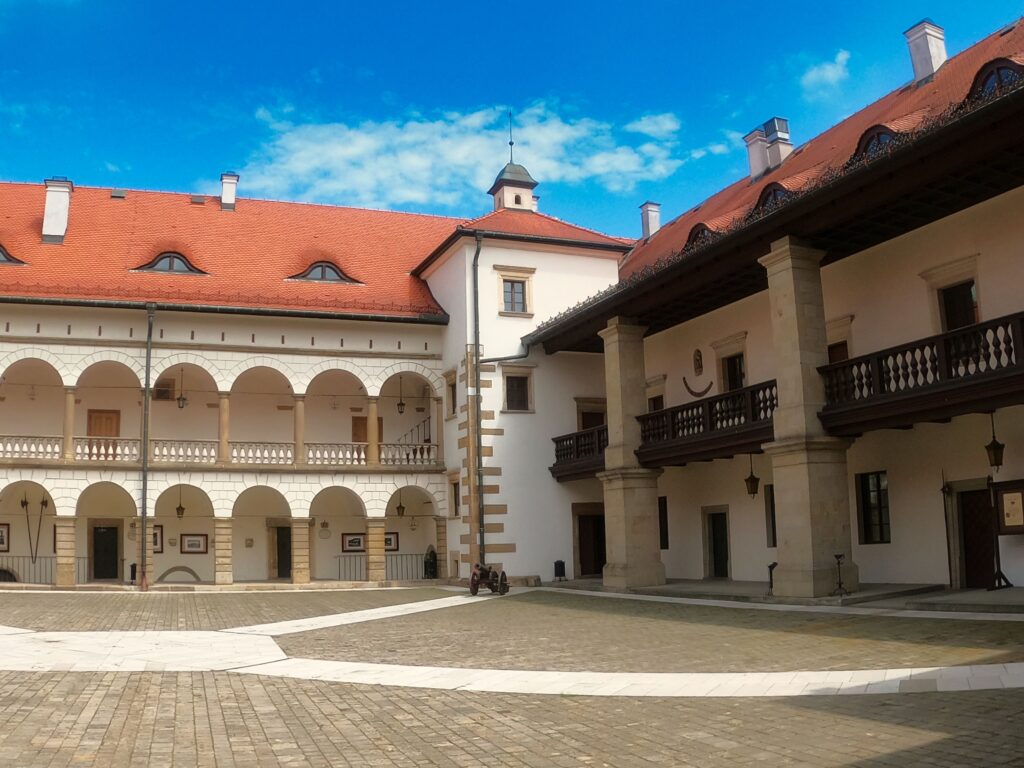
741,408
585,445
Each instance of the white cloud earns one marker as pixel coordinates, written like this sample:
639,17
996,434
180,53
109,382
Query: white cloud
663,126
447,159
822,79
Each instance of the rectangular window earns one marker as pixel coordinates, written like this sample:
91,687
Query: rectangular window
515,295
517,393
769,515
838,352
663,521
656,403
591,419
732,372
873,507
453,403
456,499
959,304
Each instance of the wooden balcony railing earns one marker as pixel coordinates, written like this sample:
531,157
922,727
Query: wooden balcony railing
580,454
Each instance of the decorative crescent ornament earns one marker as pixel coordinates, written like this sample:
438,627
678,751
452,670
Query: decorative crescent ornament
694,392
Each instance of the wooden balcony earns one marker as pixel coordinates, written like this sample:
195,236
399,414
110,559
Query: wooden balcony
970,370
580,454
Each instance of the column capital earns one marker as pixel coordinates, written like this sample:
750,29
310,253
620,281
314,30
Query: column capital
70,390
299,397
622,327
791,248
223,395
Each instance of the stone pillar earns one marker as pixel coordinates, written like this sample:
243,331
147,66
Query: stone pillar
224,427
69,423
300,429
223,566
812,499
375,567
300,550
65,533
441,546
144,544
437,427
372,432
630,491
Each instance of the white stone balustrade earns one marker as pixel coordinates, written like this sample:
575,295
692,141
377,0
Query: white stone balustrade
184,451
262,453
336,454
408,454
30,447
107,448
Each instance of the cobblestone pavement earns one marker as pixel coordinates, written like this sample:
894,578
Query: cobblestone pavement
219,719
92,612
563,631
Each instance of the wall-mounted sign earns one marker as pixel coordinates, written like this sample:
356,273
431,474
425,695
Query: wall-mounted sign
1010,505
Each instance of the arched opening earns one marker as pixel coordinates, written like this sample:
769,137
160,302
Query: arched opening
108,539
261,536
336,413
410,531
31,411
183,536
409,429
338,542
183,413
28,550
108,413
262,418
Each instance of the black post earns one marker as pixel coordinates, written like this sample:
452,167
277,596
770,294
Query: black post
999,580
771,578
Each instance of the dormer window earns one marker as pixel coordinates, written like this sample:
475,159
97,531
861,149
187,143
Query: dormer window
996,76
173,262
324,271
699,235
6,258
772,197
874,141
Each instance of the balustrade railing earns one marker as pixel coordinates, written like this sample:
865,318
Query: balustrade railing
965,354
107,448
31,447
351,567
25,569
408,454
403,567
189,451
336,454
582,445
262,453
742,408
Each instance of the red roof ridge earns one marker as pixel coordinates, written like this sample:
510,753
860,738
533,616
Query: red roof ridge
549,217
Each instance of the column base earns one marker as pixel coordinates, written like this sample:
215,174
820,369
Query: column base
631,528
818,582
624,575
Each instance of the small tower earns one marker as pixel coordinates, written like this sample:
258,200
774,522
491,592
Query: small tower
513,188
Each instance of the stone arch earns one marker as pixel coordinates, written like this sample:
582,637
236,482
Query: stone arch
222,382
60,366
432,377
162,482
262,361
340,364
109,355
179,569
313,493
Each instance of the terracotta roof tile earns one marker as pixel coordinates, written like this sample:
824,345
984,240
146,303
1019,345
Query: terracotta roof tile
516,221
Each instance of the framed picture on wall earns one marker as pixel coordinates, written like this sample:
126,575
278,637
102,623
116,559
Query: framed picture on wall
193,543
158,539
353,542
1010,504
391,542
5,537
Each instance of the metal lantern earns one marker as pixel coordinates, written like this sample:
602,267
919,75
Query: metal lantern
752,481
994,449
181,399
401,402
180,509
400,508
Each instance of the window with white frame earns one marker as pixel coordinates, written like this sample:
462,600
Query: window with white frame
518,383
515,295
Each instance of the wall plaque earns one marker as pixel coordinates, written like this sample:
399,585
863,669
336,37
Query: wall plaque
1010,506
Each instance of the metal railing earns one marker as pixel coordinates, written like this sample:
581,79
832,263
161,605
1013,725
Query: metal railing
336,454
403,567
185,451
25,569
578,446
107,448
748,407
262,453
420,433
408,454
351,567
959,356
31,447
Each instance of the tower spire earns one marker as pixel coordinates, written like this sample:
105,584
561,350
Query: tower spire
511,143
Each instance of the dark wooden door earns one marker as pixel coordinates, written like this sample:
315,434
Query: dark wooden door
591,419
592,551
284,552
977,527
104,552
718,545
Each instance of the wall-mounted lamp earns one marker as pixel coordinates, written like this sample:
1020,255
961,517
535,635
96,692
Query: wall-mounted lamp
752,481
400,508
994,449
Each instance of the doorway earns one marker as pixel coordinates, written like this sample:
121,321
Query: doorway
592,548
104,552
284,552
977,529
717,527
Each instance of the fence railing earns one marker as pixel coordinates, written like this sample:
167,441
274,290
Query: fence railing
748,407
336,453
190,451
407,567
959,356
26,570
107,448
408,454
351,567
31,447
262,453
578,446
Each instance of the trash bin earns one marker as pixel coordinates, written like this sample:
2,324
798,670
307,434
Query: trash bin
560,569
132,569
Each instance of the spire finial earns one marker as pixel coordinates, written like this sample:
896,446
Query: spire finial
511,143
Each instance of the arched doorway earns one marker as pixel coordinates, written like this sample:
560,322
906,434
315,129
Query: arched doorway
27,534
183,536
261,538
108,540
338,548
410,530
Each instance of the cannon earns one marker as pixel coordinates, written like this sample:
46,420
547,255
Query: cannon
484,575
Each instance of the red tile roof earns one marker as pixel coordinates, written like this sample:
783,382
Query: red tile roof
516,221
905,109
248,253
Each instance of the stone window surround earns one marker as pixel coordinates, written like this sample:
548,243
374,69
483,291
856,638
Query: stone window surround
519,274
948,274
451,410
455,505
840,329
729,346
518,369
594,404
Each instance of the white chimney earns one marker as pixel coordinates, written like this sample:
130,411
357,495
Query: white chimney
228,190
757,152
927,43
650,218
56,209
776,134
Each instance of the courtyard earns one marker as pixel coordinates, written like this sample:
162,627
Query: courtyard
431,676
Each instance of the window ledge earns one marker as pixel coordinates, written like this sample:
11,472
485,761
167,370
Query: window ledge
507,411
504,313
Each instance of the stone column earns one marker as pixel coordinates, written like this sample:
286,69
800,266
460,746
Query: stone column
441,546
437,428
630,491
300,550
372,432
144,544
65,533
224,427
375,567
223,566
69,423
812,499
300,429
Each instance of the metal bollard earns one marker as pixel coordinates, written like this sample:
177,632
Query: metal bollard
771,579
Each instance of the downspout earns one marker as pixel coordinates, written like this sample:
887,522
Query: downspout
477,409
144,542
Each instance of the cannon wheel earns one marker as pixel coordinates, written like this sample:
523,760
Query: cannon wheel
474,583
492,583
503,584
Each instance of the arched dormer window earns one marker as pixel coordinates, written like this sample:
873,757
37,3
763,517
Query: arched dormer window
994,77
699,235
6,258
173,262
874,140
771,197
323,271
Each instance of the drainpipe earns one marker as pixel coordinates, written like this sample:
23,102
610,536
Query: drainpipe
144,548
479,441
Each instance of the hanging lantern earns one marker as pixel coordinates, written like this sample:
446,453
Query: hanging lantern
401,402
180,509
994,449
752,481
400,508
181,399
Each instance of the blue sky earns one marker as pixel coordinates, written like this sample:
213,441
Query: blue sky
402,105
